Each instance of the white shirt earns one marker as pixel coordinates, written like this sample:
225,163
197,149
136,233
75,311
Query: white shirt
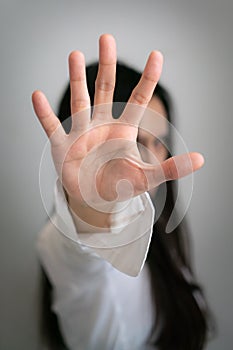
101,298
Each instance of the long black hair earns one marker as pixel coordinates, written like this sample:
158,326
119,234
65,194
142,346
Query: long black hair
182,317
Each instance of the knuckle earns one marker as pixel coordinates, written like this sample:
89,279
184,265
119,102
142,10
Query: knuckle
104,86
51,128
79,104
140,99
100,114
171,171
79,79
150,78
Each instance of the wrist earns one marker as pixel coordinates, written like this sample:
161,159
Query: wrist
80,210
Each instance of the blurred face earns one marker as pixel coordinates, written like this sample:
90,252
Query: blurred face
153,129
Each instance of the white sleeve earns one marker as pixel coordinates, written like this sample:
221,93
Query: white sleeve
80,267
83,298
126,245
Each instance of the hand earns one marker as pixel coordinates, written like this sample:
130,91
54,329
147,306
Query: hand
98,161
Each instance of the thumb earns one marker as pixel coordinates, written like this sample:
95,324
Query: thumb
173,168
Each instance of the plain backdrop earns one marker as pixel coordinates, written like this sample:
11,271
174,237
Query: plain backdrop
36,38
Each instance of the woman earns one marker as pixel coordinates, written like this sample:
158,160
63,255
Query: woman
99,305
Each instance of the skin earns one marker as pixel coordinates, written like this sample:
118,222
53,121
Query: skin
152,150
92,194
150,139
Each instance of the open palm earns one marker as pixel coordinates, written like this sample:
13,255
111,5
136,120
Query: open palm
99,160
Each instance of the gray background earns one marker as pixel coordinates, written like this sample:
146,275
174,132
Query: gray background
36,38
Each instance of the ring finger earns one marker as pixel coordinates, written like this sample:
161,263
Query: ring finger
105,81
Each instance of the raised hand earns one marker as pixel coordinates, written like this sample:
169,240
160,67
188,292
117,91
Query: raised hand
98,162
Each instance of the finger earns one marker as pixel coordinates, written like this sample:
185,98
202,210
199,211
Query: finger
142,93
105,81
173,168
49,121
80,100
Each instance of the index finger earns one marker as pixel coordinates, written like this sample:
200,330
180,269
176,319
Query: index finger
142,93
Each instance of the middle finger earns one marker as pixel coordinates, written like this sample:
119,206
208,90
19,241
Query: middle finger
105,81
